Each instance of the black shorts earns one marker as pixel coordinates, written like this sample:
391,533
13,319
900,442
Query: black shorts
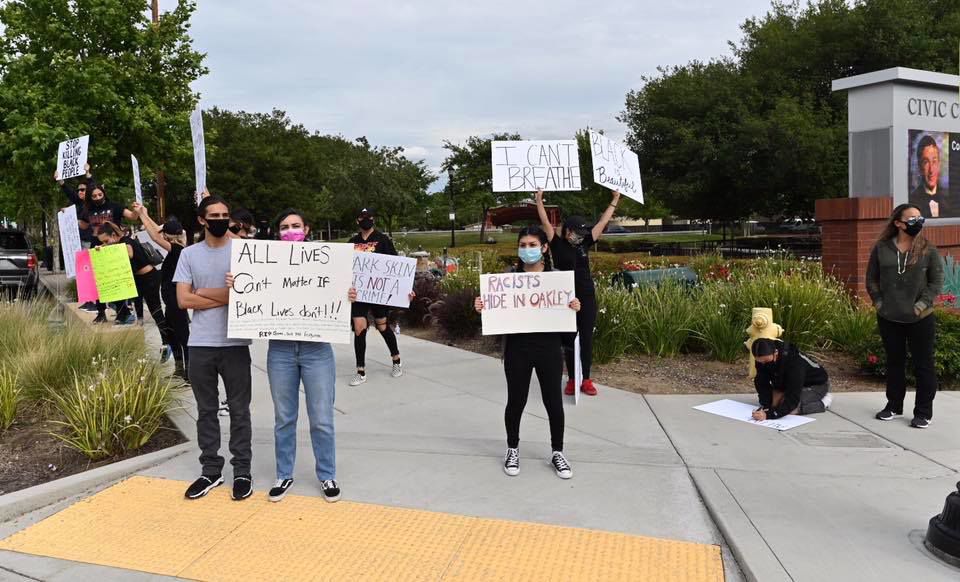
362,309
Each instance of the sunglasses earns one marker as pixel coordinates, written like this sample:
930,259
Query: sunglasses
914,220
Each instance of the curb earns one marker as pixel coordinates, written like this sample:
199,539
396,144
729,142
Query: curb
755,558
19,503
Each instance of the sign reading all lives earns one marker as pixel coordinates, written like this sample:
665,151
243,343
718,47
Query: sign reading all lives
527,302
383,279
290,291
526,166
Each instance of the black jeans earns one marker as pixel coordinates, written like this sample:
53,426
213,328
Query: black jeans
920,339
148,289
523,354
233,365
178,322
586,321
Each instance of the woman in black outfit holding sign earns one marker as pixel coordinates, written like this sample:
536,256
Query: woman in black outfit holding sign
525,352
571,251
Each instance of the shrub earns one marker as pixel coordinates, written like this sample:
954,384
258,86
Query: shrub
873,359
465,279
427,288
852,328
614,331
9,396
664,318
455,315
718,329
115,411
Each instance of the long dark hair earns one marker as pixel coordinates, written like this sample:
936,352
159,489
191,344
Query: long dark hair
890,231
284,214
542,236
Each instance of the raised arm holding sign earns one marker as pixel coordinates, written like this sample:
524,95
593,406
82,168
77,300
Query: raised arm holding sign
72,157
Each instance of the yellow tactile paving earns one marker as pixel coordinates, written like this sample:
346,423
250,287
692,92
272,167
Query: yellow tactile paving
145,524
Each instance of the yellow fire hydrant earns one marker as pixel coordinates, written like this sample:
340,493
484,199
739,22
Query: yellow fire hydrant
761,326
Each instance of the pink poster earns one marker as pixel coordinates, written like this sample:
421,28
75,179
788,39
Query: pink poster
86,284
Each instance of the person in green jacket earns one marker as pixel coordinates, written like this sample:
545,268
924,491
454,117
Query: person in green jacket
904,278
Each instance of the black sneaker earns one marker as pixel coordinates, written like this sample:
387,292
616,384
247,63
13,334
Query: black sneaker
100,318
511,462
560,465
920,422
887,414
202,486
89,306
280,489
331,491
242,487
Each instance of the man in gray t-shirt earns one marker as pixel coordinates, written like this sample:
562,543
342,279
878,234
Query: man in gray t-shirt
201,286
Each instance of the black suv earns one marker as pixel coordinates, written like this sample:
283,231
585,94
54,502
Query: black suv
18,264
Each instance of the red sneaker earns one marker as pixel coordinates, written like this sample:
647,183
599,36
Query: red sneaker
569,388
588,388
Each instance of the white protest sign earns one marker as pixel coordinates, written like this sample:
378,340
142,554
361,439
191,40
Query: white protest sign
578,370
136,178
144,238
383,279
69,239
525,166
615,167
527,302
290,291
72,157
199,152
743,412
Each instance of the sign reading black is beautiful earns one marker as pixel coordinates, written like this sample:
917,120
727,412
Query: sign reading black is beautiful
290,291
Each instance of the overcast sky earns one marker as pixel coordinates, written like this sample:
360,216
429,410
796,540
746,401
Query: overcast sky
417,73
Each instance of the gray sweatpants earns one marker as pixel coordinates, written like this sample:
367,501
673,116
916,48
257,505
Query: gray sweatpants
811,399
232,364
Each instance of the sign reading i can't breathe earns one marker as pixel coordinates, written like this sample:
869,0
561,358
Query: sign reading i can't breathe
383,279
72,157
527,302
290,291
525,166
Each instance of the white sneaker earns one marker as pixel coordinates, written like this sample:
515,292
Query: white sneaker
358,379
827,400
397,370
560,465
511,462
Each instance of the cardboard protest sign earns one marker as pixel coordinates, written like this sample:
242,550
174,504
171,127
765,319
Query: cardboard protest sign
615,167
199,153
136,178
743,412
72,157
111,269
578,370
525,166
69,239
527,302
383,279
86,283
290,291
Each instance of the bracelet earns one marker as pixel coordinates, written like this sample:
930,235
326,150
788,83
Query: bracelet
613,205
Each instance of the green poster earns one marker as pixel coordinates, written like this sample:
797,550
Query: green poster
111,269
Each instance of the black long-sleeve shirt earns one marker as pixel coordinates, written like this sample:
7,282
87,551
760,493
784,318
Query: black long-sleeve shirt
86,233
791,373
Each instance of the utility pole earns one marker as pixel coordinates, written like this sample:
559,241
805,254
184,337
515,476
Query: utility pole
161,176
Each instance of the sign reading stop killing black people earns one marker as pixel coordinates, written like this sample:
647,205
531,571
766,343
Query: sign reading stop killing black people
72,157
383,279
525,166
290,291
527,302
615,167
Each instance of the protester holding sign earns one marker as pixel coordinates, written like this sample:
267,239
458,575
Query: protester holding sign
571,251
371,240
200,278
525,352
78,198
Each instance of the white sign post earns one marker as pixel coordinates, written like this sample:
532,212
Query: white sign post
290,291
72,157
199,152
69,239
136,179
527,302
525,166
615,167
383,279
578,369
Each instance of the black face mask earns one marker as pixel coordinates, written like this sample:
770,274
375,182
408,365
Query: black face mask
100,202
913,229
218,227
769,367
235,229
366,223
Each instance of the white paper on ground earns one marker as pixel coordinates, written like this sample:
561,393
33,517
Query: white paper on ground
743,412
578,370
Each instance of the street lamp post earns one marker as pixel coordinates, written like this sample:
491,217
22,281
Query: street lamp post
453,213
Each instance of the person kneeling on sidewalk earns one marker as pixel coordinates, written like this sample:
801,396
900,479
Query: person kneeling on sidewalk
788,381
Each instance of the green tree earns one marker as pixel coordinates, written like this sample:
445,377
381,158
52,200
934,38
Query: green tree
92,67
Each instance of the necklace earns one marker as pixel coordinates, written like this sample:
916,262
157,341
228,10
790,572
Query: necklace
901,269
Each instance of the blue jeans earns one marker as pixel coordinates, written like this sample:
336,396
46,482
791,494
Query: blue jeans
289,362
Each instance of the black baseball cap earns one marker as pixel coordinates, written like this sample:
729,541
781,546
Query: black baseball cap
366,213
576,223
172,227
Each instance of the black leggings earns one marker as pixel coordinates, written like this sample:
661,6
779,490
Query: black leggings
178,322
586,321
360,345
148,287
523,354
920,338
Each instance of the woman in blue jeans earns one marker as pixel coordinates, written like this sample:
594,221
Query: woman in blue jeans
288,364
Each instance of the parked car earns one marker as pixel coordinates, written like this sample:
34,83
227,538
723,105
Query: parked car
19,275
615,229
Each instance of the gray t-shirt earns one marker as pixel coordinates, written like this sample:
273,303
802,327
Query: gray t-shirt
205,267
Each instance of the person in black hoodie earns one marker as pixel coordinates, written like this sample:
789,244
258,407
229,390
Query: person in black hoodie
788,381
78,198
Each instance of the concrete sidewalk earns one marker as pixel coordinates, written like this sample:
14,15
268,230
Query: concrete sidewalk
845,497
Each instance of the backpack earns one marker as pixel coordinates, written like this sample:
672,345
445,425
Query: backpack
153,256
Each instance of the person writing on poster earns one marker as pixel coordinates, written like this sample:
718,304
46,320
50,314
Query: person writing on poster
290,363
928,196
788,381
525,352
571,252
